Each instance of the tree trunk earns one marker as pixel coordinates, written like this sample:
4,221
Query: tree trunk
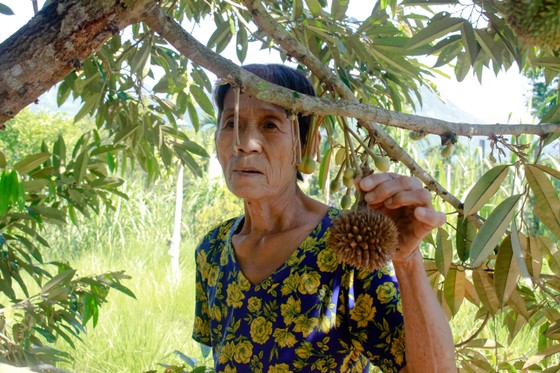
54,43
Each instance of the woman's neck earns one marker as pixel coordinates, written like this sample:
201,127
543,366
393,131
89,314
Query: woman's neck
279,214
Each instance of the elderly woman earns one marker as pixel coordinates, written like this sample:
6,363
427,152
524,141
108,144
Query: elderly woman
271,295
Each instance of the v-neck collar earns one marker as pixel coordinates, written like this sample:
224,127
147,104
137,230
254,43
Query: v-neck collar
297,252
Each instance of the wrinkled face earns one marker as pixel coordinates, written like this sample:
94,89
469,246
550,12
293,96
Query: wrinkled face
262,167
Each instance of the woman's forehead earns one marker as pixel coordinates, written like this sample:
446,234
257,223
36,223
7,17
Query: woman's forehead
248,102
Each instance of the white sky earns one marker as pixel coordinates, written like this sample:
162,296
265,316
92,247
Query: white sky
492,102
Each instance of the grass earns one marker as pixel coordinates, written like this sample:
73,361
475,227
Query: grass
133,335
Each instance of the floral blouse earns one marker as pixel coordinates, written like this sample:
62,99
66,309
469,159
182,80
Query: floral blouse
312,314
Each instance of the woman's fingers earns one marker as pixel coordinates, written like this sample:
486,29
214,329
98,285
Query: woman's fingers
418,197
429,217
390,187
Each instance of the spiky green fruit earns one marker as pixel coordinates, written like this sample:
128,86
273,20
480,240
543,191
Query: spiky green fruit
340,156
307,165
335,185
382,163
346,202
536,22
417,135
446,150
349,173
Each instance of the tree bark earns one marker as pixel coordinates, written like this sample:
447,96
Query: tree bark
55,42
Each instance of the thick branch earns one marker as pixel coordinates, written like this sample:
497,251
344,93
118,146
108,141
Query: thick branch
54,43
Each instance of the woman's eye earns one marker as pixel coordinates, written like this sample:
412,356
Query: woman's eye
228,124
270,125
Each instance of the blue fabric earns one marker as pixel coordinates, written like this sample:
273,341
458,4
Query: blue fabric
311,314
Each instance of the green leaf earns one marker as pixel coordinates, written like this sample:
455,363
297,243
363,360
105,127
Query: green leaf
187,359
49,213
506,272
222,31
297,7
63,93
485,289
4,197
59,153
242,44
314,6
492,230
466,231
454,289
80,166
106,149
202,99
193,115
140,63
106,182
61,279
549,170
434,30
469,41
339,8
90,102
539,356
489,45
533,255
31,162
485,188
89,304
3,162
516,238
461,67
548,204
444,251
429,2
324,169
484,343
194,148
189,161
4,9
123,289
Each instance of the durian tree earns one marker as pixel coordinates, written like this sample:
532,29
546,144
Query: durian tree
139,72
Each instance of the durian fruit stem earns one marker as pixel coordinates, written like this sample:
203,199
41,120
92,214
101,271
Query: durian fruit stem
362,204
350,145
296,149
236,140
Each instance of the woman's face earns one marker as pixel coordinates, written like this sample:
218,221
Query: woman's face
262,167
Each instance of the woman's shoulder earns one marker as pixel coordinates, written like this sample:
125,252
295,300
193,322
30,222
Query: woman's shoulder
221,232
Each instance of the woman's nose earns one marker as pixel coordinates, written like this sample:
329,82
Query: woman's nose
249,139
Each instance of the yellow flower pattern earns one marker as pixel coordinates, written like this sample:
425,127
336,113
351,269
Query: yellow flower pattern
311,314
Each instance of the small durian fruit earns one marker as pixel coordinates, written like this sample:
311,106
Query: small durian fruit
382,163
364,238
307,165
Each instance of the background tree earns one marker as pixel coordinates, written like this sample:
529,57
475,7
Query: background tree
139,73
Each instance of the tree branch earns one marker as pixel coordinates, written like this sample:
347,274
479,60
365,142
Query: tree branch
55,42
293,47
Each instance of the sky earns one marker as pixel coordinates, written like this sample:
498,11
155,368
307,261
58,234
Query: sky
499,99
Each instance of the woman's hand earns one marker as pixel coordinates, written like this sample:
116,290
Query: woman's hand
407,203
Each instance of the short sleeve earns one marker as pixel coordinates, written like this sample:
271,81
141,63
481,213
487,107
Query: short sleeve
375,318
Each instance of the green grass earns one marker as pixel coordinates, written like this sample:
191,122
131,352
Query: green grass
133,335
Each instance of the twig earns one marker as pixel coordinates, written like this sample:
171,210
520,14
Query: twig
475,334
